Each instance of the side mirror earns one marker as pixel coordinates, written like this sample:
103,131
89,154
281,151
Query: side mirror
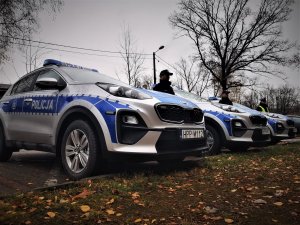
49,83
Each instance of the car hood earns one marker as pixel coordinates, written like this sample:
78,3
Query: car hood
170,99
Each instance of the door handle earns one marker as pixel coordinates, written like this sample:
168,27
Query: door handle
28,100
5,103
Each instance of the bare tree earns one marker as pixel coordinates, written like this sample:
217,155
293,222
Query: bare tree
19,19
295,59
134,61
231,38
32,55
195,77
282,100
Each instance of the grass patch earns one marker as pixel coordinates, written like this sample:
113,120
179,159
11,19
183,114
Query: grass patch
261,186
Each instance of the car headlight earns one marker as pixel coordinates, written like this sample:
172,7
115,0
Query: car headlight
121,91
229,108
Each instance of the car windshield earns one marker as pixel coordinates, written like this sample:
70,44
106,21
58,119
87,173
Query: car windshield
88,76
189,95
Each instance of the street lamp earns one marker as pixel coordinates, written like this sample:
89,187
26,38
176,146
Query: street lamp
154,68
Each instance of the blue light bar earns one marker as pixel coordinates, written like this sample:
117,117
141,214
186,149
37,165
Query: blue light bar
48,62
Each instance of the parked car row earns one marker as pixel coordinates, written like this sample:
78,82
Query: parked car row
88,119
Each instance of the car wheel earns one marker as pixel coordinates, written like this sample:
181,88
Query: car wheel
80,152
213,140
5,153
274,140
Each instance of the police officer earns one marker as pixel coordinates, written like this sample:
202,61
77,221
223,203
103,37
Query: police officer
225,99
263,106
164,84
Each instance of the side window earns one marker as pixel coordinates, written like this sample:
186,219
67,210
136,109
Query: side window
48,74
25,84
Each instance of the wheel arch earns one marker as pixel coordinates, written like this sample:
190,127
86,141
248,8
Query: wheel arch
217,126
75,113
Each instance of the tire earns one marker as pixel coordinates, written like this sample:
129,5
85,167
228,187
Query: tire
5,153
214,141
274,140
80,151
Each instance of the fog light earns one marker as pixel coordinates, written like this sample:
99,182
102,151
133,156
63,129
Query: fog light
279,125
238,124
130,119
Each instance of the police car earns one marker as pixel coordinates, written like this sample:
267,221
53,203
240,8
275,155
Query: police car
281,127
230,126
87,117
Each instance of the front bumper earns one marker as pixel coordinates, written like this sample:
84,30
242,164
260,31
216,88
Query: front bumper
250,136
158,144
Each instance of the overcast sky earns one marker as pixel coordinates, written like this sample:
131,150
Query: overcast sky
97,24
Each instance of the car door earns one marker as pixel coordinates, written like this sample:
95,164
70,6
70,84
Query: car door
13,107
40,109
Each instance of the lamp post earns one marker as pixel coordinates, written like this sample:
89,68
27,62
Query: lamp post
154,67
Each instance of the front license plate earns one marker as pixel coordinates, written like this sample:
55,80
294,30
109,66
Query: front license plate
265,131
192,134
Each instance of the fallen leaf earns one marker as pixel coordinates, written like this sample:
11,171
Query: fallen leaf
210,209
119,214
278,203
138,220
28,222
110,211
51,214
259,201
135,195
32,210
227,220
83,194
216,218
110,201
61,201
85,208
233,190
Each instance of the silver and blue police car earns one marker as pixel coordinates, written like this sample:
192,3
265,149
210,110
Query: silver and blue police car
280,126
86,118
230,126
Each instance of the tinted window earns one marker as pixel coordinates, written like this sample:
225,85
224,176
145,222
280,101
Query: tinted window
25,84
48,74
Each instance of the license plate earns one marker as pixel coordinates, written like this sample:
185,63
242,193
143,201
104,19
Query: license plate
295,130
192,134
265,131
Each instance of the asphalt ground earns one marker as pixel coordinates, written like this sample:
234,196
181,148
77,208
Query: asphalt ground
29,170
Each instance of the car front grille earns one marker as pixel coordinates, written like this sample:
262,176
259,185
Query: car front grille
290,123
259,120
177,114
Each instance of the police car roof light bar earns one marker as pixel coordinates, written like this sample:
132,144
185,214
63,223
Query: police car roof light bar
48,62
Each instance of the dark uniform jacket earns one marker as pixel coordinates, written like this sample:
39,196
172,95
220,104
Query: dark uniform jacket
164,86
225,101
